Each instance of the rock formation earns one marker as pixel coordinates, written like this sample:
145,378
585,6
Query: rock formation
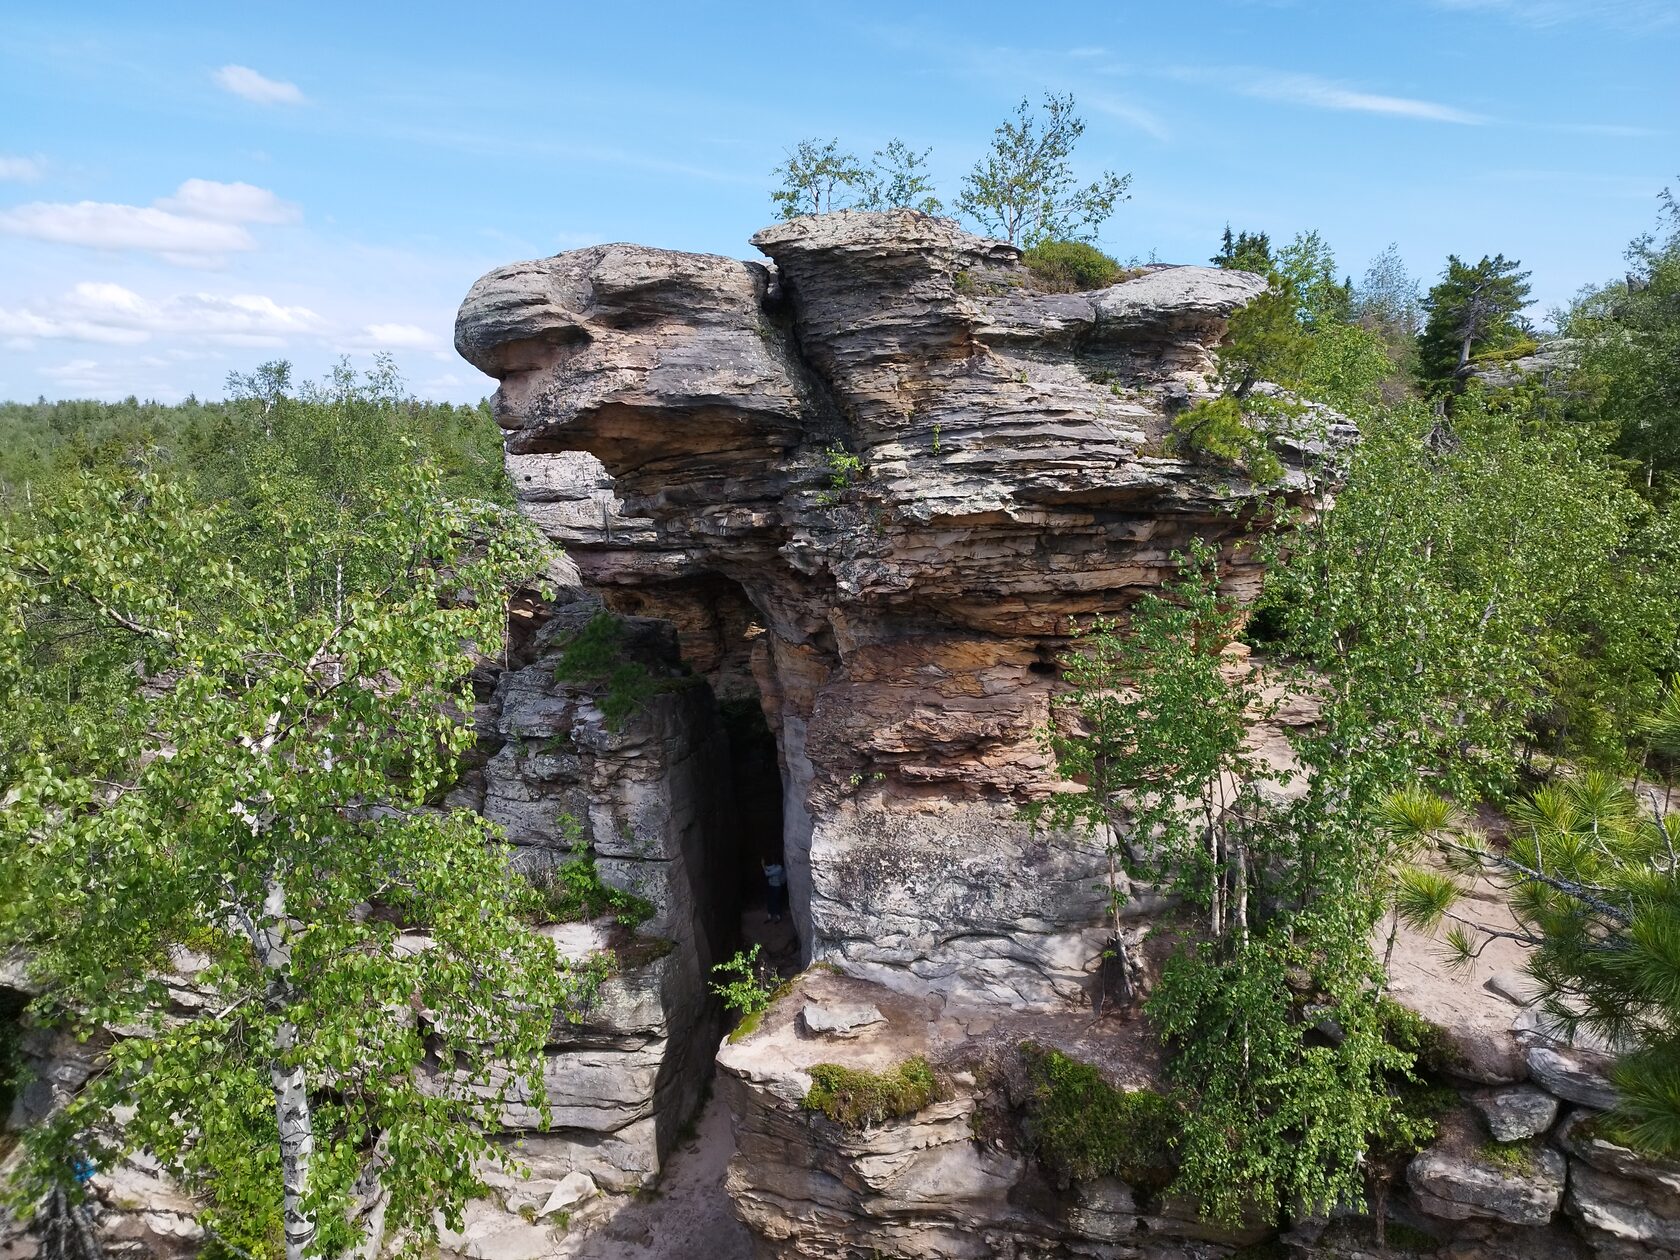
845,511
908,477
873,487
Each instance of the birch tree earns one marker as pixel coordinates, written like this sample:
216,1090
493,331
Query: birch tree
224,730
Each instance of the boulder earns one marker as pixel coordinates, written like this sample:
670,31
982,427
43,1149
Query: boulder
1576,1075
572,1190
1460,1185
840,1020
1515,1114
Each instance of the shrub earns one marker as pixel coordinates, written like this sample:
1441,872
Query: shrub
748,989
595,656
845,470
1080,1127
1219,429
1070,266
856,1099
573,891
1426,1042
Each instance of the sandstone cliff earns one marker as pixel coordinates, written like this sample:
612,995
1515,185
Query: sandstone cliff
906,476
873,486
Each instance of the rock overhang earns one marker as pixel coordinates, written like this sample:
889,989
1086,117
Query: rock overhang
923,475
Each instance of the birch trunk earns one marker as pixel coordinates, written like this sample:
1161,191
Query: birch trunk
289,1082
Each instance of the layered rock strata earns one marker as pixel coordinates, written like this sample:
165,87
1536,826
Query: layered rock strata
912,476
647,800
958,1179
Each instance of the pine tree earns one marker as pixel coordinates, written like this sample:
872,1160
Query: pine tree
1594,885
1474,307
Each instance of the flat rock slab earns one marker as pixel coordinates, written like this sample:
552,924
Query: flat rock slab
839,1019
572,1190
1515,1114
1458,1187
1577,1075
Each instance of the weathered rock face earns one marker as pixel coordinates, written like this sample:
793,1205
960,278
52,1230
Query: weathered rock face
926,1185
873,487
890,479
650,800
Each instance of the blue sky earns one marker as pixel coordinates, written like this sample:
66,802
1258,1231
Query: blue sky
188,189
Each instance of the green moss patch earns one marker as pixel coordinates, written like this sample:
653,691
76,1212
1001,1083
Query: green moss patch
1511,1157
1080,1127
856,1099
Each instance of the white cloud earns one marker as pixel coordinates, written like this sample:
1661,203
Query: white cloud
395,336
198,226
1133,115
113,315
1307,89
229,203
108,225
245,82
23,170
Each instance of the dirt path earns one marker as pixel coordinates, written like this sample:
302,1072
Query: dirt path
689,1213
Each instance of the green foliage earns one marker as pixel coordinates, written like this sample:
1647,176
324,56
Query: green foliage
1080,1127
845,470
1276,1114
1246,251
224,708
43,443
1309,266
1070,266
1453,585
1218,429
1627,350
1428,1044
897,177
813,175
573,891
747,987
1024,189
594,656
1155,732
817,176
1594,887
1345,366
1475,307
1388,305
857,1099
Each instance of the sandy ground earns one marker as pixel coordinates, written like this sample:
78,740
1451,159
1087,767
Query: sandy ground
687,1216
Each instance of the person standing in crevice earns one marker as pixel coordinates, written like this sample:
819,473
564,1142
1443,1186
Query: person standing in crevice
776,896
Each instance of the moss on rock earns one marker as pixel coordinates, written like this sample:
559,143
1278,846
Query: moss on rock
1080,1127
856,1099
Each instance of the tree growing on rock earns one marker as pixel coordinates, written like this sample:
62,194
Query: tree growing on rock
225,722
816,176
897,178
1474,307
1024,189
1154,731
